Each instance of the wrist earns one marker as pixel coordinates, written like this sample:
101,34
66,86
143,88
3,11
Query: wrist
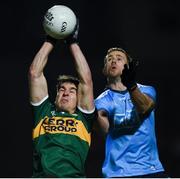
132,87
51,40
71,40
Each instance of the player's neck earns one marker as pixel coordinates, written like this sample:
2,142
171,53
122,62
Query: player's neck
116,85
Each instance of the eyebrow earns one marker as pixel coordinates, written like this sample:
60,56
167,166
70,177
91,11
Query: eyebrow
118,55
72,88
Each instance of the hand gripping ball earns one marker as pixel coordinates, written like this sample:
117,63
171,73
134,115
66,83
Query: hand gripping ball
59,21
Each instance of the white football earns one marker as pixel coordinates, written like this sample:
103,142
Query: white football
59,21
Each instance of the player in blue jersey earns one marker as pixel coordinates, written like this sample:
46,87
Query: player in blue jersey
126,116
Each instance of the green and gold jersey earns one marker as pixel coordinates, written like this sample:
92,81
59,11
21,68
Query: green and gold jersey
61,141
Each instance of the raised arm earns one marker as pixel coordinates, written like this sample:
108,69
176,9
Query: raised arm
143,103
37,81
85,91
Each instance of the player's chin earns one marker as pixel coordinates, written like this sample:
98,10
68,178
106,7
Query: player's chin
64,108
114,74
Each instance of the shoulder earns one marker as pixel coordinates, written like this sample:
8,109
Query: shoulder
146,87
86,115
44,104
42,109
105,100
104,94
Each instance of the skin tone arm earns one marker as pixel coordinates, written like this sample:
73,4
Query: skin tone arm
102,122
143,103
37,81
85,91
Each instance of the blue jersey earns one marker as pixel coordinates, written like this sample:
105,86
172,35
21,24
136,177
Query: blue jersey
131,147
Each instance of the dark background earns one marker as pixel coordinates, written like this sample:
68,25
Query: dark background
149,30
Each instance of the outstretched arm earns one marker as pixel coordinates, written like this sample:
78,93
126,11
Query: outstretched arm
37,81
85,91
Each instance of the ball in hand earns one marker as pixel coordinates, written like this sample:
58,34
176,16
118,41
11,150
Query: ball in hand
59,21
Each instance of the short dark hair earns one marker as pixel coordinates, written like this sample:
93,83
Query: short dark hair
66,78
118,49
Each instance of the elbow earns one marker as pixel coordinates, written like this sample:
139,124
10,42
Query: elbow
103,129
150,107
99,128
103,125
33,74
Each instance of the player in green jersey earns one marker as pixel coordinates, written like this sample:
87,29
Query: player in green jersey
61,130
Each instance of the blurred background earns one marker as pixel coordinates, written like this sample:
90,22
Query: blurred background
148,30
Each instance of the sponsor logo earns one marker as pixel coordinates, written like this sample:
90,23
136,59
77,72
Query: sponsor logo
56,124
62,125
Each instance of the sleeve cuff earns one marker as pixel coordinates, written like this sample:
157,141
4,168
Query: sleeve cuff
40,102
86,111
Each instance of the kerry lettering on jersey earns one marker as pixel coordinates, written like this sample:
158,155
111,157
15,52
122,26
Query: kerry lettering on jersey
58,125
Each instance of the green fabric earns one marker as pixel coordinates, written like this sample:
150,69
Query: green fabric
61,141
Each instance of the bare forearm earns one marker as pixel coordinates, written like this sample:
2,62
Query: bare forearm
81,64
102,122
143,103
40,59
